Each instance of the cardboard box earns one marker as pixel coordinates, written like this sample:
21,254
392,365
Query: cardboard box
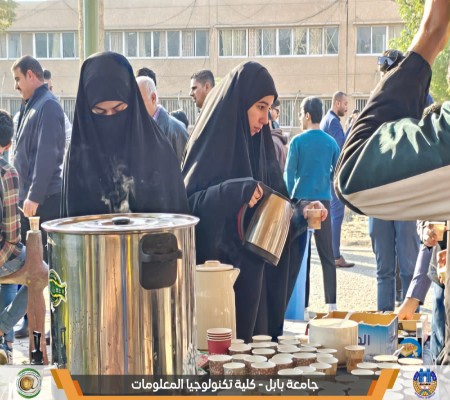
419,321
377,332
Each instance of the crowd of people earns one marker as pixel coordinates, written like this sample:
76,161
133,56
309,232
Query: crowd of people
126,153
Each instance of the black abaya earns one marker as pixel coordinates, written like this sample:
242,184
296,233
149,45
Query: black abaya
222,166
122,162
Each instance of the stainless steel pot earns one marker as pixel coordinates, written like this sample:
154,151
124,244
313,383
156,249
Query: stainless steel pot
122,291
269,226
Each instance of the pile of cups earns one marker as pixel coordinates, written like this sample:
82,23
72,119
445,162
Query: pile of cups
219,340
291,356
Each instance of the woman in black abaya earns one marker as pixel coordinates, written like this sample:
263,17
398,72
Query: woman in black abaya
230,151
118,160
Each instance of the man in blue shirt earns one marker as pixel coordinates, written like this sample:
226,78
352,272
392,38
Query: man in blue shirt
309,169
331,124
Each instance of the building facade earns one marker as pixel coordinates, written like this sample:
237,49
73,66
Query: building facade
309,47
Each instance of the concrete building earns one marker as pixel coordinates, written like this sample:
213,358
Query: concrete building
310,47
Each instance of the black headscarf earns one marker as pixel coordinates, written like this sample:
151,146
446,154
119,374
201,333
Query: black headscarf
221,147
121,162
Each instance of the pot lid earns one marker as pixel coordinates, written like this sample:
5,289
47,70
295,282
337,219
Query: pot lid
213,266
119,223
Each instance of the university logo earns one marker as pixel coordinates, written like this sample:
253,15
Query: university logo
58,290
425,383
28,383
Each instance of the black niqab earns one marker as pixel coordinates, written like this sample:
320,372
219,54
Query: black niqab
121,162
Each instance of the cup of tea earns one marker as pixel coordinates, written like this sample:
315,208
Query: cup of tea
314,218
439,229
34,223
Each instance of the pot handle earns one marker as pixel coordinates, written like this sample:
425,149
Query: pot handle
241,215
158,260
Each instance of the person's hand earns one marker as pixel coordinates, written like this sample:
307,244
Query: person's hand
257,194
429,236
434,30
317,205
29,208
408,308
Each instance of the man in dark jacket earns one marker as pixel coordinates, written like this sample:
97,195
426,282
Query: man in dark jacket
39,149
171,127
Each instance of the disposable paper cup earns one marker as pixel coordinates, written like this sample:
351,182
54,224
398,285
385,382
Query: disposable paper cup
327,351
283,355
307,370
314,218
268,353
438,229
313,344
237,341
261,338
264,368
294,342
239,357
304,359
289,372
367,365
307,349
259,345
282,363
321,367
354,355
34,223
234,368
362,372
216,363
333,361
218,346
249,360
218,331
385,358
239,349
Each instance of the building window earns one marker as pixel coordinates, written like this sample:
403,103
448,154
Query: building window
131,47
194,44
232,43
285,41
266,42
3,52
297,41
173,43
300,41
331,40
159,44
14,50
201,43
55,45
188,43
69,45
374,39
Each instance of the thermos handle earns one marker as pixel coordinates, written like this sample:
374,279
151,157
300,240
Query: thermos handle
241,215
148,258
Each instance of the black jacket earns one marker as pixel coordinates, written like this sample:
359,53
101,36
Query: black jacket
39,151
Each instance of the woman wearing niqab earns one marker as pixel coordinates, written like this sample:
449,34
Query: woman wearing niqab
225,160
118,159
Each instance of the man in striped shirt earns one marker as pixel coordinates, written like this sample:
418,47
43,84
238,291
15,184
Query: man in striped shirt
12,251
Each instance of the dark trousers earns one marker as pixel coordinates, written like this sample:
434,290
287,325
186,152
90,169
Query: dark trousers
48,210
323,239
